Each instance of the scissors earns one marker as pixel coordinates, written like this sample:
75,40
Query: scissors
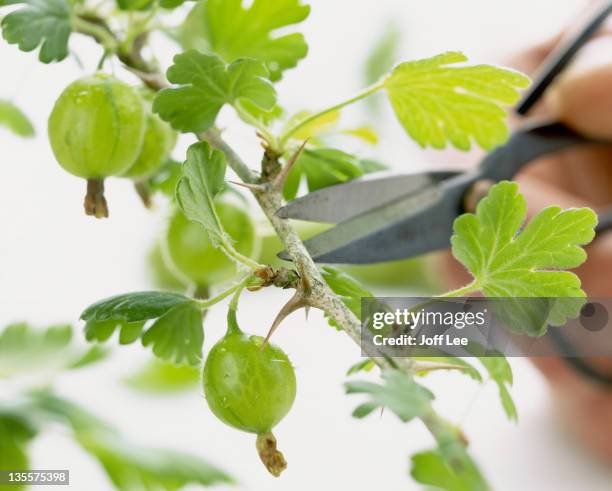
389,216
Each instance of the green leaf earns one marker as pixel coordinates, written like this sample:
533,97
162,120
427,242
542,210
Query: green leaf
438,103
364,133
178,335
127,465
134,307
265,117
170,4
58,409
206,84
430,469
203,178
24,349
92,355
383,55
234,32
324,123
166,178
101,331
12,118
463,366
44,23
500,371
507,263
16,431
347,288
325,167
134,4
399,393
365,365
162,377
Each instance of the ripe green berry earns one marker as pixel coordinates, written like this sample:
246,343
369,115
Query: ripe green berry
159,140
194,255
250,387
96,130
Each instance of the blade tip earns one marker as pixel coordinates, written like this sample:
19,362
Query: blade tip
284,255
282,212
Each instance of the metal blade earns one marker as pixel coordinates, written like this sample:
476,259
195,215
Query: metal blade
558,60
408,227
338,203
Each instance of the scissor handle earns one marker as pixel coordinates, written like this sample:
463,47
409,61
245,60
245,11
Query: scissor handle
556,62
526,145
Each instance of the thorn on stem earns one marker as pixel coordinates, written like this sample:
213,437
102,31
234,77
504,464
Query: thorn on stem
257,188
281,177
296,302
299,300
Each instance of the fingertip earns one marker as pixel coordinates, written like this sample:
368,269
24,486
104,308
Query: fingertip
582,97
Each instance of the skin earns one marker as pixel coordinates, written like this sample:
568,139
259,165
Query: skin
193,254
246,387
159,140
581,98
96,127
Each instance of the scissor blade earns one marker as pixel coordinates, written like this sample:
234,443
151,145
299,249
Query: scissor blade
559,58
338,203
408,227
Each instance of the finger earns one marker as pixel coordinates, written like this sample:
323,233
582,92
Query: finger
584,171
582,97
531,59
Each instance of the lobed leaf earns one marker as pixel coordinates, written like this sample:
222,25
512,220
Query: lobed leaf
203,178
399,393
127,465
25,349
101,331
177,335
232,31
206,84
507,263
44,23
500,371
438,103
133,307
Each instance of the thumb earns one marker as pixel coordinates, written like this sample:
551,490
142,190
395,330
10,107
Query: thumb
582,97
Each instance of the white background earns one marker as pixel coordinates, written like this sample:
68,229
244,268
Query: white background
54,261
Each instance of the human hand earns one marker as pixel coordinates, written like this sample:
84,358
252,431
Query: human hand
582,99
